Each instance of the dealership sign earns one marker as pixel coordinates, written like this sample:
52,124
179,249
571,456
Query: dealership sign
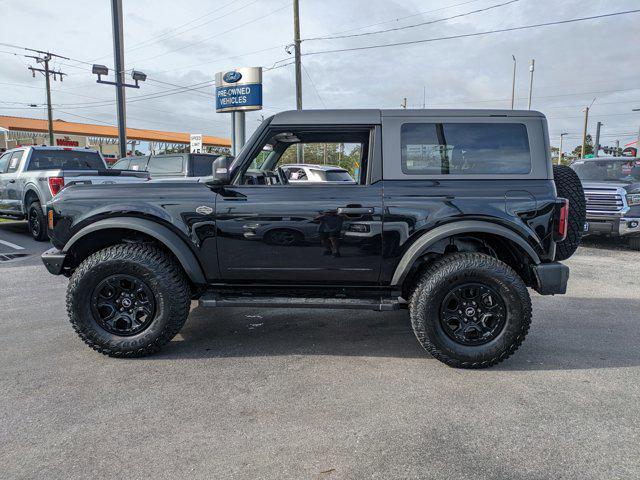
239,89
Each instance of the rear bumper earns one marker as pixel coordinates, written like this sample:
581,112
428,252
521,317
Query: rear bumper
551,278
53,259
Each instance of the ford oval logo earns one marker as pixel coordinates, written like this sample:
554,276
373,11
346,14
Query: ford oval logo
232,77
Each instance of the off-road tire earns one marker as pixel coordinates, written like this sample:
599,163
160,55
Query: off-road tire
158,270
634,243
35,214
457,269
569,186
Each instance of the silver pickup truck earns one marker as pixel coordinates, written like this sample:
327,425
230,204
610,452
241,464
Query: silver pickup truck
30,177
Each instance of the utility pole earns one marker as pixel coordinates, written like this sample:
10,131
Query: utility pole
531,69
296,41
513,83
424,96
617,144
560,149
584,131
47,72
118,64
404,102
596,145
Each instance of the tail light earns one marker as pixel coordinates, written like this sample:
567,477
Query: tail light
56,184
563,220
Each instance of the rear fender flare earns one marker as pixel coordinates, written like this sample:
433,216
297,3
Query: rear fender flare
169,239
468,226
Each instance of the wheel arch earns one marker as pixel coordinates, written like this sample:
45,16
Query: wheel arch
104,233
31,194
435,241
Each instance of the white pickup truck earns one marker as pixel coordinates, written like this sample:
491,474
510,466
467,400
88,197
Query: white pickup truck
30,177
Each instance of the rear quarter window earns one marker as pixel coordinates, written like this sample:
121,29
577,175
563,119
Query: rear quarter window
464,149
166,165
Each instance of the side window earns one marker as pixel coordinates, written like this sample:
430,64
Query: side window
122,164
330,157
4,162
464,148
14,162
166,165
138,163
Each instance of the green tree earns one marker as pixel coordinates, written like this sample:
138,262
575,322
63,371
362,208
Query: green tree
587,149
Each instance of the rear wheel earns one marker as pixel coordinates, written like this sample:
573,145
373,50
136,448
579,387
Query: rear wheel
470,310
569,186
37,222
128,300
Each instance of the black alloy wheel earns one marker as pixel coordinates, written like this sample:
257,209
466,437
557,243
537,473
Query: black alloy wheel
123,305
472,314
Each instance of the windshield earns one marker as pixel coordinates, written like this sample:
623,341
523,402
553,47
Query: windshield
334,175
623,170
65,159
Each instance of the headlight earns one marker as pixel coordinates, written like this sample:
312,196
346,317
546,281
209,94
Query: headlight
633,199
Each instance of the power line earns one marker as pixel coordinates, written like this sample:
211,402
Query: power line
475,34
405,17
260,18
313,84
395,29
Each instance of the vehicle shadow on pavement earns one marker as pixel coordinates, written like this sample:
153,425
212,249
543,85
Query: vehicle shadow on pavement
606,243
567,333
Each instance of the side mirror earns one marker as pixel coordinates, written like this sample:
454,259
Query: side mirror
221,170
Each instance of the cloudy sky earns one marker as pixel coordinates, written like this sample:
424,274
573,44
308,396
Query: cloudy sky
184,43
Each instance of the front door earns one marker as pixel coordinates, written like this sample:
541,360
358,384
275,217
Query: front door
325,229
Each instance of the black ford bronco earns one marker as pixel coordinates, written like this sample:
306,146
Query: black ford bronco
453,214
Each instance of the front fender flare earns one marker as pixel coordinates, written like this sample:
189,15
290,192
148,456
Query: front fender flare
171,240
466,226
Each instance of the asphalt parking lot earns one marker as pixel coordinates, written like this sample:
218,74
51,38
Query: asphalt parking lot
321,394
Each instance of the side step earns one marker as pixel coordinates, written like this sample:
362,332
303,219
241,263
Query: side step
377,304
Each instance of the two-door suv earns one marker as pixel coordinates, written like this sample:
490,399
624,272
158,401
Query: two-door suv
453,214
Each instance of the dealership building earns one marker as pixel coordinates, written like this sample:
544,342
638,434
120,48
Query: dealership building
19,131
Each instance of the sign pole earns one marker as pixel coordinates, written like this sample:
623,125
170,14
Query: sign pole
233,134
239,128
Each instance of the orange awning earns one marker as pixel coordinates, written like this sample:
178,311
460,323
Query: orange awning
90,130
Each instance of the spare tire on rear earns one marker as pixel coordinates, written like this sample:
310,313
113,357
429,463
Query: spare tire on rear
569,186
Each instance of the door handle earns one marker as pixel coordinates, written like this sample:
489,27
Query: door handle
355,210
12,181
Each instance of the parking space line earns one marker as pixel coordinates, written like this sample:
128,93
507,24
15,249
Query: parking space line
12,245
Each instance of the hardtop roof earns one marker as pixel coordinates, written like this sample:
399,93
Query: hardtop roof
374,116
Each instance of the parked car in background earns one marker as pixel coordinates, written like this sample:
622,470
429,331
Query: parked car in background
612,191
170,166
308,173
30,176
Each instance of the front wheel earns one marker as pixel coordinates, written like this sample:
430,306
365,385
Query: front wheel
470,310
128,300
634,243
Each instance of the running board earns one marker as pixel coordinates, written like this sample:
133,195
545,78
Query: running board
379,304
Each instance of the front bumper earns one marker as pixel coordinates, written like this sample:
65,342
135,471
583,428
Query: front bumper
53,259
613,226
551,278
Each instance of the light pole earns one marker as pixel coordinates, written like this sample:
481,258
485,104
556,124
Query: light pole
531,69
638,139
513,82
560,149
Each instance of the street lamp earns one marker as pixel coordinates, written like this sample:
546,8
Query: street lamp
513,82
638,139
560,149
